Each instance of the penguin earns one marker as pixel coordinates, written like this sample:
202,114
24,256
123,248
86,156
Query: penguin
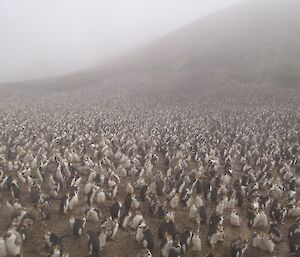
115,210
280,214
102,238
64,204
100,198
215,234
274,232
88,187
111,226
145,253
148,239
125,218
161,210
234,218
91,195
54,190
251,216
240,199
19,216
52,239
13,241
99,179
166,245
197,186
22,230
73,190
214,196
35,193
185,240
140,231
93,243
129,189
112,192
231,204
196,241
167,226
59,175
30,182
94,214
174,202
263,243
39,175
73,201
202,215
13,206
198,201
77,182
175,250
3,248
143,192
27,220
239,247
136,220
127,202
77,225
45,211
193,212
15,190
56,252
135,204
21,177
6,183
260,219
220,208
52,183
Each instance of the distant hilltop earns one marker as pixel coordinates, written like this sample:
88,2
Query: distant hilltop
255,42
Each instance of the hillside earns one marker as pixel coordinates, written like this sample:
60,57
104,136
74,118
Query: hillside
256,42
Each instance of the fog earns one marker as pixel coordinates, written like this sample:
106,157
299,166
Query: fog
45,38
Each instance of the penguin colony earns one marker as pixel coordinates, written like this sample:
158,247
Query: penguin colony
112,173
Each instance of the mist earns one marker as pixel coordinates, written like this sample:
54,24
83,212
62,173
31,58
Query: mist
46,38
145,128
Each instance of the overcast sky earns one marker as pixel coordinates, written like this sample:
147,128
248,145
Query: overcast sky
47,37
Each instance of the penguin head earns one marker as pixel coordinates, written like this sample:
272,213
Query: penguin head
7,234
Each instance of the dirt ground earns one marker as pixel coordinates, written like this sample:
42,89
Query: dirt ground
125,244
